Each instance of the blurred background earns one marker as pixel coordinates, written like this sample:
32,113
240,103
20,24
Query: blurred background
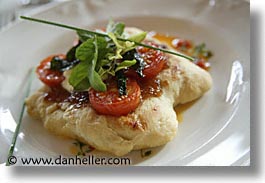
10,10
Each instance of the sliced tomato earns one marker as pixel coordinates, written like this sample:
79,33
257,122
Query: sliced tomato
181,44
110,102
154,59
48,76
202,63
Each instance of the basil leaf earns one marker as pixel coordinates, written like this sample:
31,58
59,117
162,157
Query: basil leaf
121,81
121,47
99,55
125,64
104,62
96,82
94,78
79,76
85,51
138,37
102,51
83,85
83,35
116,28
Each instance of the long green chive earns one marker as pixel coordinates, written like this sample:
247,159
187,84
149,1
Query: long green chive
14,139
104,35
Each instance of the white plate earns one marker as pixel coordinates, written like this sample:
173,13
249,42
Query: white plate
215,131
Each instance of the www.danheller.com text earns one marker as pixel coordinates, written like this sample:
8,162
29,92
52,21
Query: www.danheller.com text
62,161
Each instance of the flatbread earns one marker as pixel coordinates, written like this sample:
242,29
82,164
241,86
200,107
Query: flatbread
152,124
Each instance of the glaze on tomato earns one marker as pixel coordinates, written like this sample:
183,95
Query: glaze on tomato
48,76
111,103
154,59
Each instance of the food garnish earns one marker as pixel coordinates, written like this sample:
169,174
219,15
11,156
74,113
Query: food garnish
99,53
116,89
100,57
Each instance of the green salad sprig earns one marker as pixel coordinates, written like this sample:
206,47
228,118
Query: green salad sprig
88,32
101,54
99,57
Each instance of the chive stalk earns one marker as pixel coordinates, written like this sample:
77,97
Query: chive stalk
14,139
104,35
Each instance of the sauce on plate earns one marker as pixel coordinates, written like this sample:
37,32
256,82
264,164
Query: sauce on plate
187,47
181,108
151,87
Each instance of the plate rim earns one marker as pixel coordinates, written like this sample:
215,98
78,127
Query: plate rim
50,7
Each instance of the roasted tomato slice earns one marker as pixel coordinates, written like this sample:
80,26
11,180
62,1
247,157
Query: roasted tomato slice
181,44
48,76
202,63
155,60
111,103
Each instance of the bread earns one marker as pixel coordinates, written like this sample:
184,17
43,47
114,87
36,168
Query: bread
152,124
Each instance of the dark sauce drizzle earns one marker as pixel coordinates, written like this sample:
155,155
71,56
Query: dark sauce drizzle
59,95
78,99
149,88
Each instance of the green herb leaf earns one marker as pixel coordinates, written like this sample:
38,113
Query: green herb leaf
125,64
114,39
85,52
138,37
104,62
88,52
84,35
83,85
103,49
128,46
79,77
121,47
94,78
116,28
96,82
